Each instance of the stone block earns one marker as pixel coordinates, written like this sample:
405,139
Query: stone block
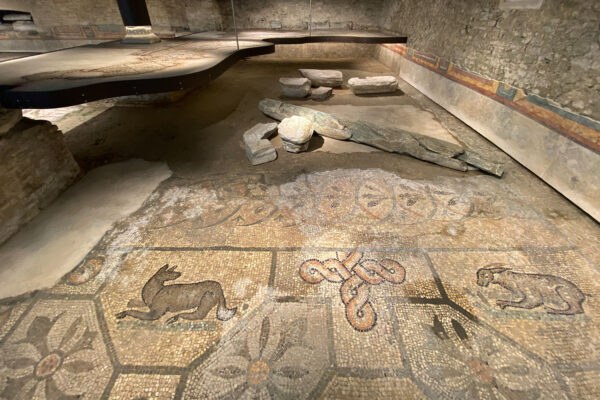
373,85
323,77
297,88
323,124
24,26
321,93
139,35
258,148
295,132
16,17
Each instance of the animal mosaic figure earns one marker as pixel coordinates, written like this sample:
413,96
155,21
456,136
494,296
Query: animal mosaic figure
356,277
557,295
201,297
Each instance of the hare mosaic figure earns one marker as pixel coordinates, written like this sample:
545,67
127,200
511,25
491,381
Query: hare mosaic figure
201,297
557,295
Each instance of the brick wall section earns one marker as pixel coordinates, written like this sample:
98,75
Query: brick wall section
552,52
35,167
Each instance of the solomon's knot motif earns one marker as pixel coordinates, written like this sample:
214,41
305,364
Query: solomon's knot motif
356,276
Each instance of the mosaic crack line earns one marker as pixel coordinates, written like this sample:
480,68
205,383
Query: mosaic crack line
356,277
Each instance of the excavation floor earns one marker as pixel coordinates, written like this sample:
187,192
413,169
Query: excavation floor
337,273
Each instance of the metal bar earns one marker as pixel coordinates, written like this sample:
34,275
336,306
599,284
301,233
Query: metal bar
134,12
237,40
310,18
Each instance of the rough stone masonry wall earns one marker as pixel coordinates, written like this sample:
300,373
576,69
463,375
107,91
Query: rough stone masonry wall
294,14
35,167
67,19
553,52
100,19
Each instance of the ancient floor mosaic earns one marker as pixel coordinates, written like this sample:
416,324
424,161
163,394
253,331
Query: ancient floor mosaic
341,284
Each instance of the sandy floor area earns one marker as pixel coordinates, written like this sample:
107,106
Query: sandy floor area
340,273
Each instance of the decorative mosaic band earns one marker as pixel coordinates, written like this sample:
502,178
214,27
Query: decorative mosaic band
583,130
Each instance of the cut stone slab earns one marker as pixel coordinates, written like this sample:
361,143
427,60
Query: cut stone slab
474,159
8,119
24,26
295,133
259,149
323,124
321,93
400,141
323,77
139,35
16,17
296,88
373,85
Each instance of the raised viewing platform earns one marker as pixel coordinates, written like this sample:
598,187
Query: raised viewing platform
93,72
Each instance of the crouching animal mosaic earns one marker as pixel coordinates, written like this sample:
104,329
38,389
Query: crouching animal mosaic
201,297
557,295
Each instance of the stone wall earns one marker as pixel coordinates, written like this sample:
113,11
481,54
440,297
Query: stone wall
553,52
67,19
322,50
294,14
100,19
35,167
204,15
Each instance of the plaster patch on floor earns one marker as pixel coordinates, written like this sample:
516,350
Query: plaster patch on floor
61,236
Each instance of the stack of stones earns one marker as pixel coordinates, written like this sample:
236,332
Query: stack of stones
295,88
20,22
322,80
256,140
295,132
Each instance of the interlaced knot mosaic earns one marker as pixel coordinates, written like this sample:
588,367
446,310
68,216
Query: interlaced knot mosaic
356,277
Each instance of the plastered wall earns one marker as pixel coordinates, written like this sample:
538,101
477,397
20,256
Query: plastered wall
553,51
